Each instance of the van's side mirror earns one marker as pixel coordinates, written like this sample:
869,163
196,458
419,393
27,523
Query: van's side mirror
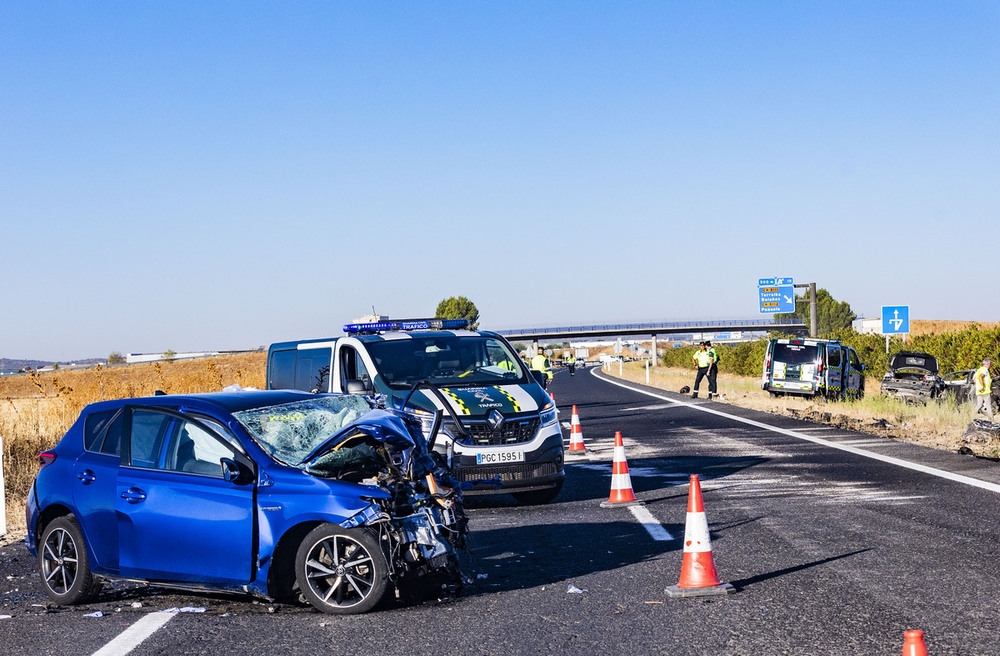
358,387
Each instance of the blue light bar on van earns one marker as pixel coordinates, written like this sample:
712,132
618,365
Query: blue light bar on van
407,324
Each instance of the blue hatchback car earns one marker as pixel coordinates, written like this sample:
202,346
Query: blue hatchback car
271,493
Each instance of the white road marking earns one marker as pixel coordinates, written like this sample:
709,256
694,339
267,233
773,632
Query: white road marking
940,473
653,527
131,637
661,406
567,425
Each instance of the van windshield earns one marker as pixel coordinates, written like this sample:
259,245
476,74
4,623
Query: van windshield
796,353
446,360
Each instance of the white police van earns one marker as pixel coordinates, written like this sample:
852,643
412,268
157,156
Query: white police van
813,367
499,431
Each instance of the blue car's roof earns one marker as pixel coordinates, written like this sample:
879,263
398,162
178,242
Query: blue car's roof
227,401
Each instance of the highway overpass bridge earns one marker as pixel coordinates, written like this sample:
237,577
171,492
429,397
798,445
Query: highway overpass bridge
653,330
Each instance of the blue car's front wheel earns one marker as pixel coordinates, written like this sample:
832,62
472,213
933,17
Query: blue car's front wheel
341,571
62,559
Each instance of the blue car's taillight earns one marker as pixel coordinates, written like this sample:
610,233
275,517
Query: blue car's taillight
45,458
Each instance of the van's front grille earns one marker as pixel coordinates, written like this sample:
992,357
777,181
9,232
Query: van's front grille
507,473
512,431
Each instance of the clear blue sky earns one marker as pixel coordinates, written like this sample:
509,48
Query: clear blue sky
207,175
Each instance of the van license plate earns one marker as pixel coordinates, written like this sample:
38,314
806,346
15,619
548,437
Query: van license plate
499,456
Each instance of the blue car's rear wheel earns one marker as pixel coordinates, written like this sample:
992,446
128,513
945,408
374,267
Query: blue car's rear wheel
341,571
62,560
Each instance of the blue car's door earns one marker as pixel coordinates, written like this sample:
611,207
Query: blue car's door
95,479
178,519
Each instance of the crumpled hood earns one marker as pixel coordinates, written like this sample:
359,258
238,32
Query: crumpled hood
382,425
914,360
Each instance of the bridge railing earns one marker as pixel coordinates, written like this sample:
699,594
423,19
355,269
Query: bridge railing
763,324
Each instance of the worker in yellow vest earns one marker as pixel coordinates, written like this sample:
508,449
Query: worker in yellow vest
705,360
541,363
984,393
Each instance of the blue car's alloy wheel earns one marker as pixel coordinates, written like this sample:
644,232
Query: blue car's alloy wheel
62,560
341,571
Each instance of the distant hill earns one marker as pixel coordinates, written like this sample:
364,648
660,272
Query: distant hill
11,364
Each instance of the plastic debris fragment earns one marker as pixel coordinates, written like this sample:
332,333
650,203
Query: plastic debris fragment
572,589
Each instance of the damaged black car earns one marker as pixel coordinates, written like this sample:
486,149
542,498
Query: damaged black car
913,378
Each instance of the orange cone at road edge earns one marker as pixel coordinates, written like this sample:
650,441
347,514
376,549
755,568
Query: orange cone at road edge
621,482
576,435
913,643
698,577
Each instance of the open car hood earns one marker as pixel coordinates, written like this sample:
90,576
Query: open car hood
914,360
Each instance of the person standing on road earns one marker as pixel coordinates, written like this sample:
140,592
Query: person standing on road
541,363
984,394
703,360
713,371
571,363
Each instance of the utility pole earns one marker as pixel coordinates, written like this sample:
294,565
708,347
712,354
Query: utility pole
811,300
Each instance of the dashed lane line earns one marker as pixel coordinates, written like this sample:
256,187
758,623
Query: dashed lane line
133,636
653,527
933,471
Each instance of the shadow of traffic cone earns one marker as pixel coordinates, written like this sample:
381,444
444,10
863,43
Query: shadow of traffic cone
621,482
698,577
576,446
913,644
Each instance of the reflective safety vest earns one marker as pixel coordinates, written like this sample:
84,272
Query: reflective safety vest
506,364
715,356
983,381
702,358
571,360
540,362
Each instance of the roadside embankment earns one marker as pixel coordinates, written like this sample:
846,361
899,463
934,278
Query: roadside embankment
939,425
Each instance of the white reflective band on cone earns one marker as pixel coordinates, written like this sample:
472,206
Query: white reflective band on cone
696,537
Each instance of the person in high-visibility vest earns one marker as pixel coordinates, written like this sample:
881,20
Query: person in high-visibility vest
541,363
571,363
984,393
705,360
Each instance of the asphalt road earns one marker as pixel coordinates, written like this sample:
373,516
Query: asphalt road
833,545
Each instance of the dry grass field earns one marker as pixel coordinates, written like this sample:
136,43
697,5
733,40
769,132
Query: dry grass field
37,409
936,425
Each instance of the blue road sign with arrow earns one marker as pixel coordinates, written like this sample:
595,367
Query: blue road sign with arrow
895,319
777,295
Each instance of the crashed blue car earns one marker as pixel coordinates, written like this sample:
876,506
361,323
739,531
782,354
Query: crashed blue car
279,494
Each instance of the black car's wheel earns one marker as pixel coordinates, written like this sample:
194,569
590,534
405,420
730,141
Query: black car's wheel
538,497
62,560
341,571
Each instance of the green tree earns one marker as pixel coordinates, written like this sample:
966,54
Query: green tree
169,354
458,307
831,315
116,358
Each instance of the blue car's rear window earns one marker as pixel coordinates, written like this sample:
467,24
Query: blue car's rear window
95,426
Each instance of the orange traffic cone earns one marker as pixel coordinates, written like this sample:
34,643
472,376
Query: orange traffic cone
576,446
913,644
698,577
621,482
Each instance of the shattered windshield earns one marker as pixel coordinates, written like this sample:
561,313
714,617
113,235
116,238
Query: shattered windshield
289,431
446,360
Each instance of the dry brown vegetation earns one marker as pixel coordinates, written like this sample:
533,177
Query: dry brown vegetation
36,409
929,327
